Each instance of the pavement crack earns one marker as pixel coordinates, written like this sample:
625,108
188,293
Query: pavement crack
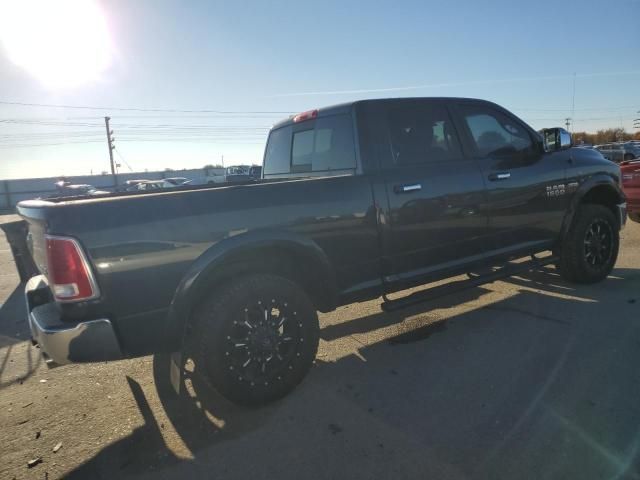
538,316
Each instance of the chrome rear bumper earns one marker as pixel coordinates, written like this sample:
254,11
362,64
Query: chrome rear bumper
64,342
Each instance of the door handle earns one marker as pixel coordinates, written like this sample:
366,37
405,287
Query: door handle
412,187
499,176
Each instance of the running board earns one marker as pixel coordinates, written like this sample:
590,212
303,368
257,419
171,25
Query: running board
474,280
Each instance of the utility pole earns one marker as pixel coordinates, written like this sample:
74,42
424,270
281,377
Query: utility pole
567,122
110,145
573,100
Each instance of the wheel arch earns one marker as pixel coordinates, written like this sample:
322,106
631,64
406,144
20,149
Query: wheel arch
286,254
600,189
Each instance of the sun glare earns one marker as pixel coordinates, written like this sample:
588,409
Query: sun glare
63,44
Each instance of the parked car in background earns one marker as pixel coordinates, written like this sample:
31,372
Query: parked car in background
152,185
132,185
215,176
611,152
66,189
619,152
140,184
631,187
155,185
633,148
255,172
177,181
243,173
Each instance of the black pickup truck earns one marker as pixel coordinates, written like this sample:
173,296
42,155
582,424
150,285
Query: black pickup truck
355,201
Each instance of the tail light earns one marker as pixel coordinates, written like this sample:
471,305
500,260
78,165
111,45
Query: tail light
309,115
69,274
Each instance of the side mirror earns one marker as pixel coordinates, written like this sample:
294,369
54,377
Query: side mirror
555,139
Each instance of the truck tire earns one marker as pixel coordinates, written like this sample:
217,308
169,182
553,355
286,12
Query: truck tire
258,337
590,247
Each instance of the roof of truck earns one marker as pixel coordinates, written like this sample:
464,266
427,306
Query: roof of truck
347,106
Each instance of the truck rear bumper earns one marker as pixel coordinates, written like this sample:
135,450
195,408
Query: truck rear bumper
64,342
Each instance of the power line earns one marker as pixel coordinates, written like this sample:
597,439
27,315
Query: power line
603,109
193,140
123,160
192,125
614,117
131,109
139,134
132,125
48,144
46,135
267,117
238,115
158,140
243,112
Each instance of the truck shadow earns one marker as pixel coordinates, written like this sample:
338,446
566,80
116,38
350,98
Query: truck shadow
13,331
481,394
13,319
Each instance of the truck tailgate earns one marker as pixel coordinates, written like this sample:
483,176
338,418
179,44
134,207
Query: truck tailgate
34,216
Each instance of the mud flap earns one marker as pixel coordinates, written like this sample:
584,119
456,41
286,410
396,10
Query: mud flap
175,371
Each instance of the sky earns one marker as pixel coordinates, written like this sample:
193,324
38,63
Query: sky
189,83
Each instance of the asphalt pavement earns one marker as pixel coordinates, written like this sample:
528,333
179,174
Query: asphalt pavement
527,378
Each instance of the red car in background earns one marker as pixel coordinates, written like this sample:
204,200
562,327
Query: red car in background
631,187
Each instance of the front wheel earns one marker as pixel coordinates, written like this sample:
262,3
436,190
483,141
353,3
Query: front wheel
258,337
590,247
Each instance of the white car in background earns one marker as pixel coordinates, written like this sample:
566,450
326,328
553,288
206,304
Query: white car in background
66,189
177,181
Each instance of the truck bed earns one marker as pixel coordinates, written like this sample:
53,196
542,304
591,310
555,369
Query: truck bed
134,193
142,245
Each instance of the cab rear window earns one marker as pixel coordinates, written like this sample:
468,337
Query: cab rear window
322,145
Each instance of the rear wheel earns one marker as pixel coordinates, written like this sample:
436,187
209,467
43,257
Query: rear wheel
590,248
629,156
258,338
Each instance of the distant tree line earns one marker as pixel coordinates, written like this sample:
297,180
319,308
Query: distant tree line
607,135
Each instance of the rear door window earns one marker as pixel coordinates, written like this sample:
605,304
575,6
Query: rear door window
325,144
422,134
